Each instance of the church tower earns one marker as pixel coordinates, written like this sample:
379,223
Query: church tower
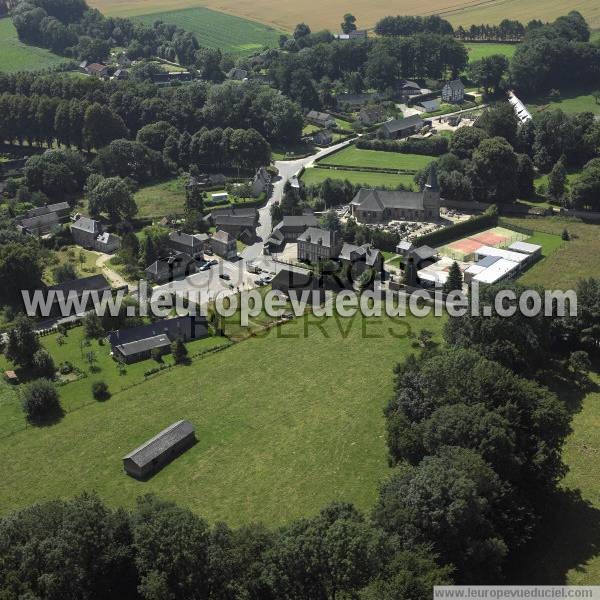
431,195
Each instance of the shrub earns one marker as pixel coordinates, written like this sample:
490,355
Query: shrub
100,390
40,400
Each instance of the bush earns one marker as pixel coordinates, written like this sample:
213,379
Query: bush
100,390
40,400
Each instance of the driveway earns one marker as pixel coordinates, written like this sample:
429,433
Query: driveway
113,277
287,170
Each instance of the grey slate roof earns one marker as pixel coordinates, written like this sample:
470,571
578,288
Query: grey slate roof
424,252
320,117
160,443
177,327
379,200
455,85
49,208
88,225
314,235
297,222
431,105
93,283
403,124
132,348
352,252
178,261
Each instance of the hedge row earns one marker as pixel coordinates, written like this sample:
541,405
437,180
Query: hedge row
433,146
450,234
363,169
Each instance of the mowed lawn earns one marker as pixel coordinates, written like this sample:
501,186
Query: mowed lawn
280,431
477,51
570,102
320,14
16,56
368,178
569,261
356,157
218,30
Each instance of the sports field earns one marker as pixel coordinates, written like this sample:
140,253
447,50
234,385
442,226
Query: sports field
367,178
356,157
477,51
498,237
16,56
328,14
217,30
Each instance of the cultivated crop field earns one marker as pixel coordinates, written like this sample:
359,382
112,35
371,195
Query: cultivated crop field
328,14
218,30
273,444
15,56
356,157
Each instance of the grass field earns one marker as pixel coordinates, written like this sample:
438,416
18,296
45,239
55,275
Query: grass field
355,157
319,14
570,102
218,30
570,261
160,199
273,444
481,50
370,179
16,56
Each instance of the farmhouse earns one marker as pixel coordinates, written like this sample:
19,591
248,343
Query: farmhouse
224,245
237,226
179,264
41,220
400,128
321,119
316,245
361,258
136,343
453,91
275,243
96,70
90,234
381,206
184,242
159,451
261,184
78,289
356,100
409,88
292,226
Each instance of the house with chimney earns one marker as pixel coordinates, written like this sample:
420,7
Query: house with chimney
90,234
317,245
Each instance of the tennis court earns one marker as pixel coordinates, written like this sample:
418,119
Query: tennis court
498,237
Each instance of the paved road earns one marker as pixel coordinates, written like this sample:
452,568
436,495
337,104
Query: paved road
287,170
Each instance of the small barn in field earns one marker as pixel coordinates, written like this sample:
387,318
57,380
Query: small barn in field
153,455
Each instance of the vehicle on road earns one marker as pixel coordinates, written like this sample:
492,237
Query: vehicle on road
225,276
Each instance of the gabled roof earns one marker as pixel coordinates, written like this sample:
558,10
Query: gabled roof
455,85
430,105
233,211
237,220
46,209
179,237
222,236
175,328
315,235
379,200
92,283
354,253
160,443
176,261
424,252
237,74
315,115
402,124
132,348
297,222
409,85
88,225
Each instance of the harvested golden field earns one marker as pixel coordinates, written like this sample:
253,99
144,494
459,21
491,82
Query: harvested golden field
287,13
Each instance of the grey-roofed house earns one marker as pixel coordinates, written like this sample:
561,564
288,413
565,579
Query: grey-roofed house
316,245
224,245
409,88
41,220
261,184
423,254
193,245
90,234
179,264
322,138
275,243
321,119
356,100
240,227
404,247
382,206
361,258
77,289
97,70
430,105
292,226
453,91
160,450
399,128
136,343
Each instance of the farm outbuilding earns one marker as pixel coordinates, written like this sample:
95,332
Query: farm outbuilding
159,451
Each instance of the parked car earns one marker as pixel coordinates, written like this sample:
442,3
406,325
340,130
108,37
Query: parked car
225,276
267,279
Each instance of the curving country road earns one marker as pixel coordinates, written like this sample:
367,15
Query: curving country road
287,169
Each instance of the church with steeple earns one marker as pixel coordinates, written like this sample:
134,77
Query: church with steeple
382,206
